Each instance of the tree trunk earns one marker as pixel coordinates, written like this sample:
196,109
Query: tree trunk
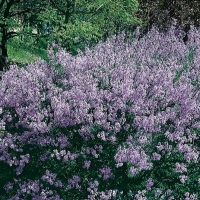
3,52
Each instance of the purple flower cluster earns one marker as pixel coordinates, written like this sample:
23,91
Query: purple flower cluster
119,114
50,178
73,182
32,188
141,195
106,172
94,194
149,183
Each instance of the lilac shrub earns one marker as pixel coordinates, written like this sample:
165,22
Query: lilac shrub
120,121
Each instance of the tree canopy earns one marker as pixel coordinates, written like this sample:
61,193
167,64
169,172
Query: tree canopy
82,22
72,23
14,14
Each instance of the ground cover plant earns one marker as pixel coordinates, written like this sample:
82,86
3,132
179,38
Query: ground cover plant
120,121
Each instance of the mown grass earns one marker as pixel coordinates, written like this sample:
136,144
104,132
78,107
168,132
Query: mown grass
24,52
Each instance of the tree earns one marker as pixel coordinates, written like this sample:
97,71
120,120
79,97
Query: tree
72,24
163,12
82,22
11,12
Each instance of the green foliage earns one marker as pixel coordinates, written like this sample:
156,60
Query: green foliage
90,22
72,24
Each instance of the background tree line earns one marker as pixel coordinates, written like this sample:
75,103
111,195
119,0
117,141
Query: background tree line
71,23
74,24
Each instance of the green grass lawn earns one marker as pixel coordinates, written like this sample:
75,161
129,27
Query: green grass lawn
21,52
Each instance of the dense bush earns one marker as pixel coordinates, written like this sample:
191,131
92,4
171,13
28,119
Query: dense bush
162,13
120,121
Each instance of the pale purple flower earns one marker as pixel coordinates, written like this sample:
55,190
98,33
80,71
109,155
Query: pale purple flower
143,74
106,172
119,165
117,127
73,182
156,156
180,167
183,178
49,177
191,156
187,194
141,195
193,197
129,139
133,171
160,147
8,186
87,164
149,183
